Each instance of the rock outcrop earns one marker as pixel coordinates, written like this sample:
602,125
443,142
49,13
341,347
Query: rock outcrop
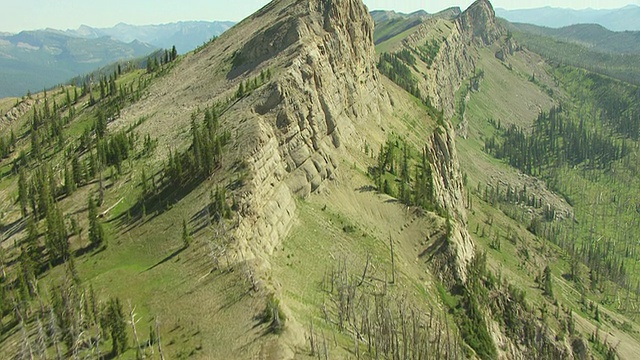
448,190
453,64
16,112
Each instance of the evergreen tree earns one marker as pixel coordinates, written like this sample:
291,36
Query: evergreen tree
76,170
23,192
546,281
69,183
116,324
100,125
96,232
241,91
31,242
186,239
174,53
57,242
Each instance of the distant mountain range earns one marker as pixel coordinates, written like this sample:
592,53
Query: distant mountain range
185,35
623,19
593,36
33,60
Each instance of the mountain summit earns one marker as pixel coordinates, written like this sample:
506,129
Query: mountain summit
480,21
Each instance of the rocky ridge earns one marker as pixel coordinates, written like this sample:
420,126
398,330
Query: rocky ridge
16,112
456,60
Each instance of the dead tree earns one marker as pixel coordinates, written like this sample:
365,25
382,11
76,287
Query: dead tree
133,322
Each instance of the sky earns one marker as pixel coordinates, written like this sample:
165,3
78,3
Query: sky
70,14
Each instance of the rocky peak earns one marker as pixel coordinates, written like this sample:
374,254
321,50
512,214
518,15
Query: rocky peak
479,22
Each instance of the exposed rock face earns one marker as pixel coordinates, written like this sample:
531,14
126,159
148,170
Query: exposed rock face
308,112
451,67
448,192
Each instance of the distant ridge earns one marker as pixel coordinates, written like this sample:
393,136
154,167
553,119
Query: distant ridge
623,19
185,35
593,36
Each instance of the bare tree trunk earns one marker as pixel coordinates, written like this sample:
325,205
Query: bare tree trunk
159,340
366,267
133,322
55,332
312,339
326,349
393,261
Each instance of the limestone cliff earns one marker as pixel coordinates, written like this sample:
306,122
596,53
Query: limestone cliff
307,114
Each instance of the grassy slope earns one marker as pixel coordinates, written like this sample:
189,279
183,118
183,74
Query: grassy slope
515,92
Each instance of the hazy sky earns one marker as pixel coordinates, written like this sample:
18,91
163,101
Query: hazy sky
65,14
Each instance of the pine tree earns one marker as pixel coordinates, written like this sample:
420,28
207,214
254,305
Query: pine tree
76,170
56,239
186,239
546,281
174,53
31,242
69,182
23,193
117,326
96,232
241,90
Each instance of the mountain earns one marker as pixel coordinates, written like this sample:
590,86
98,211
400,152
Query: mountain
623,19
592,36
184,35
33,60
302,187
